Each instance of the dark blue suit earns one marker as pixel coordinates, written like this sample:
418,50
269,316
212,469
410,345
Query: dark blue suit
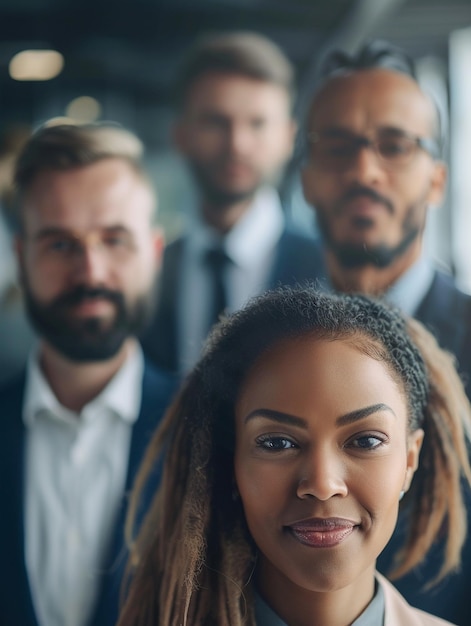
446,312
16,608
297,260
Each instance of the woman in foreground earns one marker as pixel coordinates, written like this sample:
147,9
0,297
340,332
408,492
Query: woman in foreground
286,457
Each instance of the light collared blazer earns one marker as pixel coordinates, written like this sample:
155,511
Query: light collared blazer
399,613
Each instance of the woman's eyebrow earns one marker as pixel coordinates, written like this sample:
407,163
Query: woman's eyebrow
277,416
359,414
293,420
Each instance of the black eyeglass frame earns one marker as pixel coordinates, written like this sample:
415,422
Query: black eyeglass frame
427,144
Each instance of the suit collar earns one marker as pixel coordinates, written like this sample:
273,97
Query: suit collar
411,288
446,311
252,238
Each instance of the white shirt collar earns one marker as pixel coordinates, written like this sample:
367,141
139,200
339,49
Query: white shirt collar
252,237
411,288
122,395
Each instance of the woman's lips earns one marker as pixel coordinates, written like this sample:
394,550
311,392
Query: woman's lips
322,533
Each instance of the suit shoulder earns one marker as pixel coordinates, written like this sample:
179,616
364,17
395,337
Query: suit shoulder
446,282
296,244
299,259
14,385
444,302
175,247
11,398
293,235
159,382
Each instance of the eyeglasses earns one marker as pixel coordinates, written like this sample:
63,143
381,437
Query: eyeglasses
394,148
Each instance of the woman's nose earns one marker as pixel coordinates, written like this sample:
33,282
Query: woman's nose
322,475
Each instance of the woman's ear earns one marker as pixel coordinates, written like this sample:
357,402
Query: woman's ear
414,445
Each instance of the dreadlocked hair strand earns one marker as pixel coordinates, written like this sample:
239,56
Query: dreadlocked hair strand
435,493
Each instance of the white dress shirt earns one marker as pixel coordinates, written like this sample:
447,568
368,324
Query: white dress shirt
411,288
75,472
250,245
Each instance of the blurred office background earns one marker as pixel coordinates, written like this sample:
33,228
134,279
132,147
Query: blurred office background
103,60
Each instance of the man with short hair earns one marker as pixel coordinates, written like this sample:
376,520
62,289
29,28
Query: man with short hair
235,130
372,171
75,425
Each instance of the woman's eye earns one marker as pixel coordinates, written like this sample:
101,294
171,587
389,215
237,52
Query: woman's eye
275,443
366,442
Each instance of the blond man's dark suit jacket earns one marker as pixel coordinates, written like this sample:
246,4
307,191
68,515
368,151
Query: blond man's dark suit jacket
16,607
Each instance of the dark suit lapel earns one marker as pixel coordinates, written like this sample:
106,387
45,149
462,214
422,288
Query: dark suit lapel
160,341
157,390
17,606
445,311
298,260
155,397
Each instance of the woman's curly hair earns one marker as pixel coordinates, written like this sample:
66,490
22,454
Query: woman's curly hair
192,559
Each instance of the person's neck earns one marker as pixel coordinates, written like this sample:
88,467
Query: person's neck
76,384
224,218
370,279
299,607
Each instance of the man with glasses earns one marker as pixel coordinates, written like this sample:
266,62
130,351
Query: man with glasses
372,171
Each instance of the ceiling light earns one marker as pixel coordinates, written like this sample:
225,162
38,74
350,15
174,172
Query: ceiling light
84,109
36,65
